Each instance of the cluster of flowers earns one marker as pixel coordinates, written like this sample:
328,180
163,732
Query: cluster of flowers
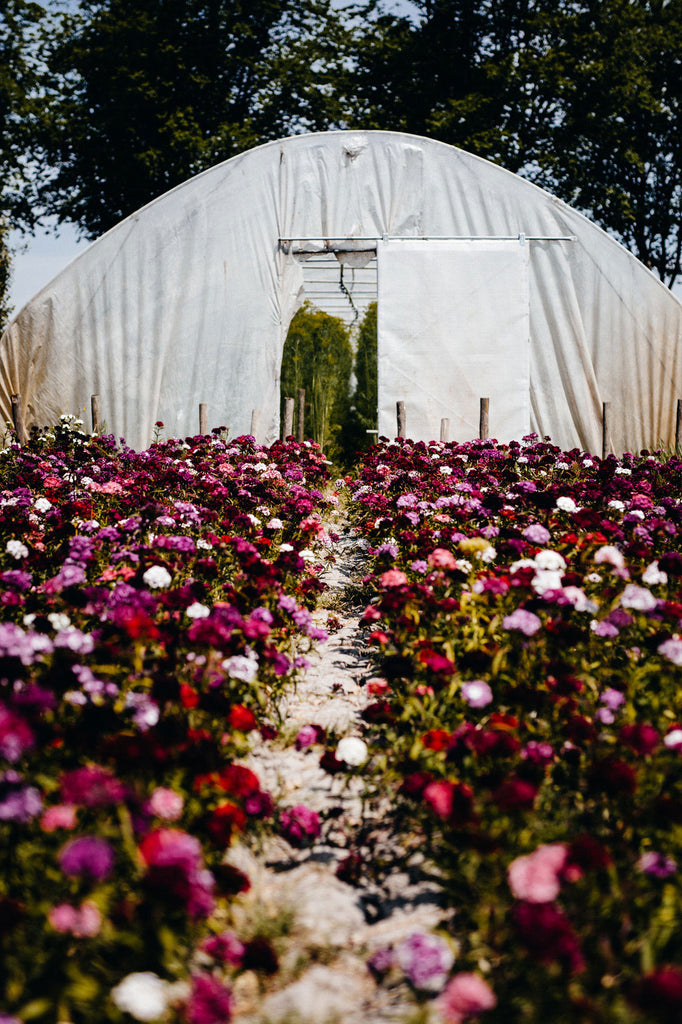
526,613
154,606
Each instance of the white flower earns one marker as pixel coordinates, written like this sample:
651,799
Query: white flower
242,667
306,554
42,505
587,463
16,549
548,559
274,524
197,611
144,995
255,521
562,465
566,504
522,563
488,554
547,579
616,504
610,554
623,471
286,547
673,740
157,577
580,601
352,750
205,545
638,598
58,620
445,470
653,575
636,512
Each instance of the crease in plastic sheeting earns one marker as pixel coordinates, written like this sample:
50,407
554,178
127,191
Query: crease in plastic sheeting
354,146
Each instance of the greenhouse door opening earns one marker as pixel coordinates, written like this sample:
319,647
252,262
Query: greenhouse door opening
453,327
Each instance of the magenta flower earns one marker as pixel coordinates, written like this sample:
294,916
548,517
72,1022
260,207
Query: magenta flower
88,856
210,1001
91,787
16,735
226,948
466,995
299,825
657,864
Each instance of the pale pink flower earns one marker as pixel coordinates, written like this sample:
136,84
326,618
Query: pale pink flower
536,877
466,995
441,558
166,804
83,922
393,578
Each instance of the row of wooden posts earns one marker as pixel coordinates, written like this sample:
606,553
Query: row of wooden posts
288,423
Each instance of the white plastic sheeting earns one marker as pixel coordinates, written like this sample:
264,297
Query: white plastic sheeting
189,299
453,328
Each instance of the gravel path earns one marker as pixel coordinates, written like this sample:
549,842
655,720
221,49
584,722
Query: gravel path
325,929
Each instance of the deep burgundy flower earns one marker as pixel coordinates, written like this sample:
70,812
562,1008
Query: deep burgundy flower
660,993
641,737
515,793
259,955
613,776
91,787
548,935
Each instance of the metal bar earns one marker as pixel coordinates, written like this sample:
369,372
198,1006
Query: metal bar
435,238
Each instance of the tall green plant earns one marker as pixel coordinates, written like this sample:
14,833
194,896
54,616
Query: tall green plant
318,357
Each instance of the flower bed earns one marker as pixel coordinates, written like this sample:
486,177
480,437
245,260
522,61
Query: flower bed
155,606
526,710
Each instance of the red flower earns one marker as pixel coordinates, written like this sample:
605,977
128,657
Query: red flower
242,718
548,935
224,822
436,739
515,793
613,777
189,698
660,993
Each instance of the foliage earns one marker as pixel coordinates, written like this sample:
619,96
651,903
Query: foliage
318,357
5,277
362,414
146,93
526,611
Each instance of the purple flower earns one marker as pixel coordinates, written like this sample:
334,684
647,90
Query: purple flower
657,864
638,598
604,628
89,856
476,693
672,650
68,576
210,1002
16,735
425,959
18,802
538,752
537,534
526,622
308,735
613,699
381,962
91,787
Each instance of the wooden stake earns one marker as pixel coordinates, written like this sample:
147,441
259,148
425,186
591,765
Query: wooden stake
18,418
444,430
678,426
484,419
605,428
203,418
288,417
400,413
255,420
96,411
300,421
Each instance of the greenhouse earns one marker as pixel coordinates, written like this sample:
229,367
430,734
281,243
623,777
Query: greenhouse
487,286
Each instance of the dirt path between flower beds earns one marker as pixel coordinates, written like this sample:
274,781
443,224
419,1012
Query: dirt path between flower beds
325,927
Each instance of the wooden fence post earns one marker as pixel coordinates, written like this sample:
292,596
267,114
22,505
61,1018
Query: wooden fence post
444,430
18,418
203,418
484,419
300,420
96,412
400,413
605,428
255,420
678,426
288,418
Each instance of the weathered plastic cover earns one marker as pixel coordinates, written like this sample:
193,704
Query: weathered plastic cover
189,299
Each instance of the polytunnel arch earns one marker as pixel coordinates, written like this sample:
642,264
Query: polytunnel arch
189,299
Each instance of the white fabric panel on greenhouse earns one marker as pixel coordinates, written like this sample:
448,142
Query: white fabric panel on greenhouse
453,327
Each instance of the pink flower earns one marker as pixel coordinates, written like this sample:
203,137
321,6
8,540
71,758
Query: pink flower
465,996
59,816
83,922
441,558
393,578
166,804
210,1002
536,877
526,622
300,825
16,735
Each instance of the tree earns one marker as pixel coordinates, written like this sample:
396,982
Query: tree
19,79
318,357
147,93
581,96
